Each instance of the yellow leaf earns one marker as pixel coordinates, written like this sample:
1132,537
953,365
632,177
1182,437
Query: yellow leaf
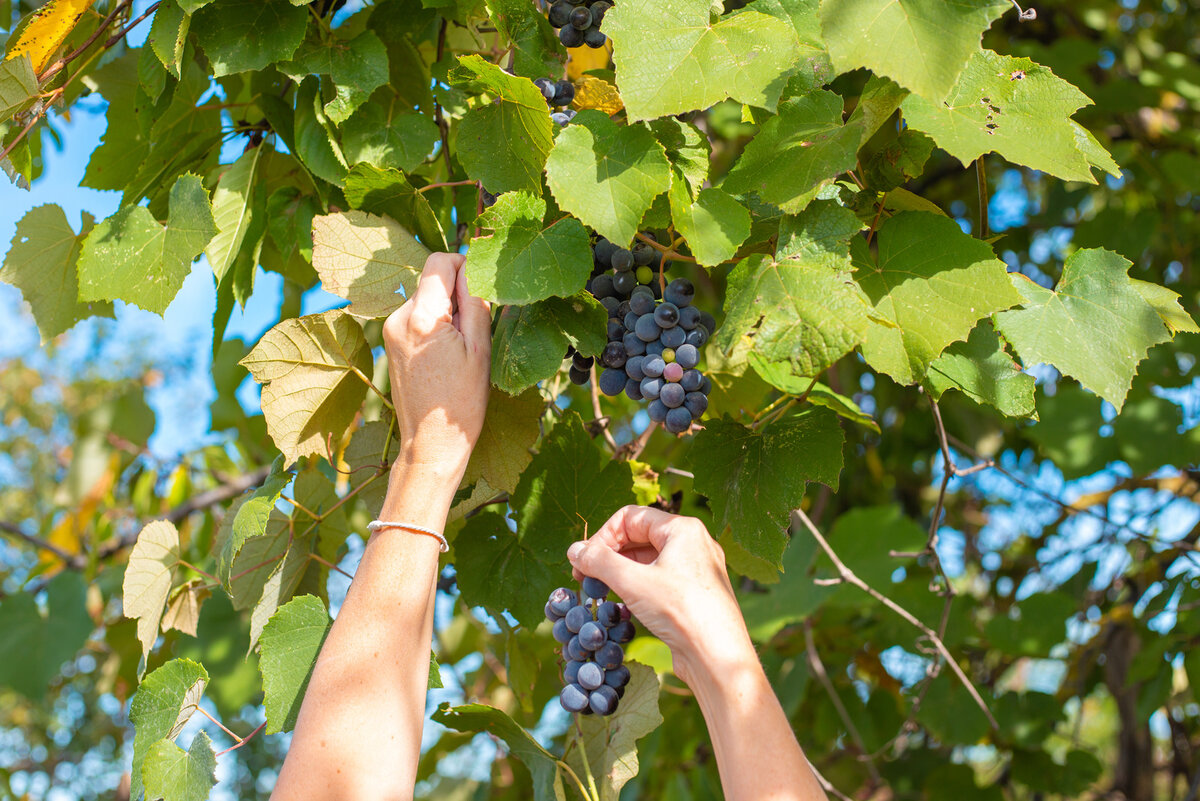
183,609
68,534
585,58
598,94
48,29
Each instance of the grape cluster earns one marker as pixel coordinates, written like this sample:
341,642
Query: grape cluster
653,342
591,634
579,21
559,95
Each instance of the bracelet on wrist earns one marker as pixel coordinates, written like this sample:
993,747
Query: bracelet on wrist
377,525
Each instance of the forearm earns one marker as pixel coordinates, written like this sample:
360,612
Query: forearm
359,730
757,753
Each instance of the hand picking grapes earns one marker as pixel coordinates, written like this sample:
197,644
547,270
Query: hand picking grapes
358,734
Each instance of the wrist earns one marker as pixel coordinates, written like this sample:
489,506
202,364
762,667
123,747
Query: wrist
420,489
711,657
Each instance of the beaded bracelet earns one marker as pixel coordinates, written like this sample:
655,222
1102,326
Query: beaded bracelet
376,525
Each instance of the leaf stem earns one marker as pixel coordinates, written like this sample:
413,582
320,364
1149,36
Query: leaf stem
204,573
587,768
562,763
442,184
981,180
238,740
242,740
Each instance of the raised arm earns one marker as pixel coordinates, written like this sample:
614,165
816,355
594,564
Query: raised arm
358,735
671,574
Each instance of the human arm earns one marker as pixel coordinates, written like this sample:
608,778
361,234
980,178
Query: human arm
671,574
358,734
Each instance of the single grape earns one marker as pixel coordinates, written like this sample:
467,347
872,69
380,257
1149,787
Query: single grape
574,698
657,410
653,366
697,337
560,119
624,282
623,309
579,377
591,675
655,348
614,355
622,260
630,320
622,632
646,329
708,321
571,673
673,337
687,356
616,331
706,387
625,613
608,614
576,617
668,355
612,382
678,420
562,600
645,275
594,588
561,633
610,305
599,10
592,636
593,38
617,677
564,92
680,292
570,36
672,395
551,615
696,403
673,372
560,14
574,649
689,317
633,389
692,380
602,287
650,387
643,254
581,361
634,345
609,655
633,367
603,700
581,18
641,301
487,198
666,315
545,85
603,252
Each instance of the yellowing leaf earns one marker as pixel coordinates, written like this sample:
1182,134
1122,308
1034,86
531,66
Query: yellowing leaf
585,58
148,579
183,612
598,94
48,29
366,259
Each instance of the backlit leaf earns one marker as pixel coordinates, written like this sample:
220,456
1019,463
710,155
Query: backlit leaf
290,644
371,261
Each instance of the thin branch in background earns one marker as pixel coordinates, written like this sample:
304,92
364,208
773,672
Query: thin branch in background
599,417
37,542
818,668
827,785
981,180
850,577
58,65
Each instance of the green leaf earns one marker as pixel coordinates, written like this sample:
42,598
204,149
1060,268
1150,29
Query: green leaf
366,259
386,132
511,428
503,144
796,152
357,66
670,58
529,341
148,579
172,774
607,175
1094,326
922,45
290,644
388,192
1167,304
543,766
312,370
161,707
498,570
18,86
812,68
536,49
687,148
982,369
783,377
42,261
714,226
366,450
524,259
169,35
132,257
793,599
1009,106
863,539
316,144
1039,623
755,478
930,284
611,742
43,643
249,519
245,35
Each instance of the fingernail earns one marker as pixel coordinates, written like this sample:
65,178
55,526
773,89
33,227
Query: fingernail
576,550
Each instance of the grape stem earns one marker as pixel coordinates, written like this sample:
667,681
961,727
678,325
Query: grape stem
601,420
587,768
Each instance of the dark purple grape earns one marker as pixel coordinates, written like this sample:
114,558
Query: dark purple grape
673,337
653,366
622,632
633,389
594,588
545,85
697,337
630,320
625,613
673,372
634,345
692,380
707,386
622,260
560,14
650,387
602,287
610,305
581,18
591,675
643,254
617,677
570,36
608,614
574,698
657,410
593,38
696,403
614,356
641,301
633,367
599,10
708,321
560,118
654,348
582,362
560,631
603,700
666,315
680,292
616,331
672,395
571,673
591,636
678,420
576,617
646,329
610,655
689,318
687,356
574,649
562,600
624,282
612,382
603,252
579,377
564,93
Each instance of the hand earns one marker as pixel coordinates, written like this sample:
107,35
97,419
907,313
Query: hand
671,574
439,356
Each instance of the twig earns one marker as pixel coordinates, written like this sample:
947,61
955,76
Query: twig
634,449
1025,15
204,573
442,184
981,180
243,740
826,785
818,667
37,542
438,118
57,66
851,577
328,564
600,419
17,140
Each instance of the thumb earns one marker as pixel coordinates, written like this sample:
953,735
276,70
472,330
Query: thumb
596,558
474,315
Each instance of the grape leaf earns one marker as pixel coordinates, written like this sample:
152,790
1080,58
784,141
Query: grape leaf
536,49
172,774
232,211
530,341
357,66
812,68
687,148
387,192
290,643
503,144
864,538
543,766
249,520
132,257
46,31
670,58
509,432
1167,304
316,144
782,376
715,225
148,579
611,742
366,450
39,645
607,175
244,35
796,152
366,259
18,86
1009,106
313,374
524,259
982,369
930,284
498,570
923,45
755,478
1094,326
162,705
385,132
819,235
183,608
41,262
169,35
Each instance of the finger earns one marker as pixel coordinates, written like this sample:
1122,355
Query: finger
474,315
597,559
638,525
433,302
